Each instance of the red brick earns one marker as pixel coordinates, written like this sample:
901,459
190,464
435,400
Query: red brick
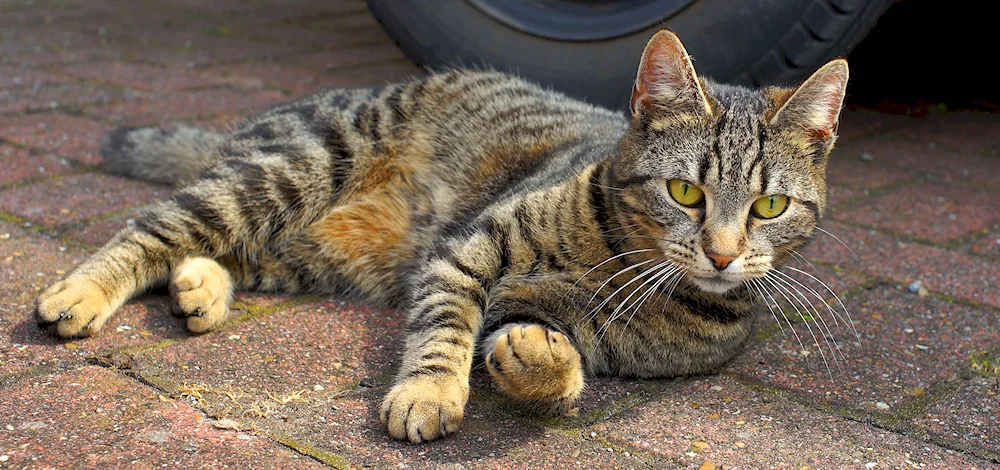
858,124
92,417
738,427
906,343
20,166
53,95
348,427
946,213
989,245
25,346
144,76
969,415
903,262
352,57
78,197
158,109
847,170
29,261
964,132
69,137
938,162
330,344
98,233
294,80
11,76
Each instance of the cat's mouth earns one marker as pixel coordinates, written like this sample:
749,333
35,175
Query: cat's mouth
716,284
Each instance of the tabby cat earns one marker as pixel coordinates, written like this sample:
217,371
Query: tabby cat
544,235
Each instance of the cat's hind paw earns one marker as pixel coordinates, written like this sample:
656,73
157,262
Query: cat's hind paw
202,290
73,307
424,408
537,367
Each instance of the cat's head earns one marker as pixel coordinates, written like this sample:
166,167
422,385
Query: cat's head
726,180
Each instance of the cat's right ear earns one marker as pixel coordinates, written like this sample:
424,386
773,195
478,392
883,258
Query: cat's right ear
666,81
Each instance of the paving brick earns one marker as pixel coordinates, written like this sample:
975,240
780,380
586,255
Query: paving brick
938,163
144,76
880,255
329,344
294,80
965,132
907,345
11,76
92,417
971,415
158,109
848,170
739,427
23,346
989,245
858,124
53,95
30,261
98,233
347,58
947,213
348,428
78,197
20,166
69,137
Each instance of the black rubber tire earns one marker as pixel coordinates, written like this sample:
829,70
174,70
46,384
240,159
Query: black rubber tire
753,42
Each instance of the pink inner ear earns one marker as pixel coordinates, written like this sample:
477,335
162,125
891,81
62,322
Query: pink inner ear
664,73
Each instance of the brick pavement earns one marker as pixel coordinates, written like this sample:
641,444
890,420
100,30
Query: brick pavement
914,200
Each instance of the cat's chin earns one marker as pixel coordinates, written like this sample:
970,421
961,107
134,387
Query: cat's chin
713,285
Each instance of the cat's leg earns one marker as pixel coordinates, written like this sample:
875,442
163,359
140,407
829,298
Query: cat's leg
131,262
202,290
428,397
536,366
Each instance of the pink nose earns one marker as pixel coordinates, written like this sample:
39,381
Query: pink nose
720,261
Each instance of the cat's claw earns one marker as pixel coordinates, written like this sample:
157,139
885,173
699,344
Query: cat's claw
74,307
202,290
423,409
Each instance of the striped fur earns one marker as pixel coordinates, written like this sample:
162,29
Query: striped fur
513,223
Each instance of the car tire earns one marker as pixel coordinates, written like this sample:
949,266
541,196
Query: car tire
750,42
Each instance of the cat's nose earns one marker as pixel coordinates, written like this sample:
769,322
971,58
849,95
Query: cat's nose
720,261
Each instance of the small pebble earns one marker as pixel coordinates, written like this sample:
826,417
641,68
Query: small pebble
233,337
871,465
867,156
715,388
915,286
4,458
699,446
10,427
707,466
576,453
741,445
319,388
882,405
921,347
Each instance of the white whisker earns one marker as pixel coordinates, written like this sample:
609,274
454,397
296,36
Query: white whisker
784,293
847,312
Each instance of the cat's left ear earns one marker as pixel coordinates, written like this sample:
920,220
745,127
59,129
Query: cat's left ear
815,105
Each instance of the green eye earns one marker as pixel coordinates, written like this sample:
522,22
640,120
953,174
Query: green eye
769,207
685,193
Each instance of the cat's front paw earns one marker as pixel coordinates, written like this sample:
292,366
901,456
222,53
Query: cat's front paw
73,307
424,408
202,290
538,367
